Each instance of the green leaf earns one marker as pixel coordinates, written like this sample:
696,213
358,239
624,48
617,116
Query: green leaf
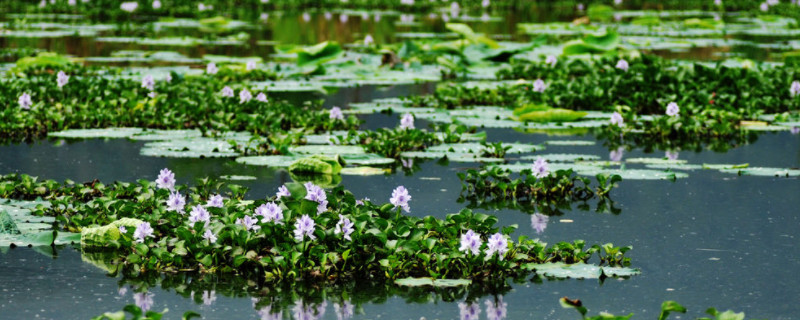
319,53
670,306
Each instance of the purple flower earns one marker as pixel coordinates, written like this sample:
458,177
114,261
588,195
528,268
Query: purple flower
303,311
471,243
400,198
123,230
156,5
539,86
251,65
794,89
345,227
343,18
306,17
143,300
129,6
361,202
210,236
245,96
270,212
485,3
344,311
540,169
622,65
62,79
539,222
368,40
671,155
616,119
497,243
199,214
249,223
551,60
25,101
581,6
407,122
304,227
764,7
168,78
148,82
336,114
143,230
470,311
211,68
407,163
717,3
795,130
616,155
209,297
617,2
317,194
673,109
215,201
227,92
166,179
176,202
261,97
283,191
496,310
265,313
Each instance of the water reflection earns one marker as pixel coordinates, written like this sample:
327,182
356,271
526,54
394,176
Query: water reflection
539,222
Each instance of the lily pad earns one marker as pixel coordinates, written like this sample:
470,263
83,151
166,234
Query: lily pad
637,174
654,161
570,143
561,157
96,133
19,227
763,171
157,135
452,156
193,148
418,282
269,161
478,148
579,270
237,178
364,171
327,149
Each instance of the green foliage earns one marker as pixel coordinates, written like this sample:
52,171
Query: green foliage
317,164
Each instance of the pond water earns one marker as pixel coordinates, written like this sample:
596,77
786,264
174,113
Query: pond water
711,239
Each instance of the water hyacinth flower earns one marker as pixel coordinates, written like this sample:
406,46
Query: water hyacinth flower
122,229
327,15
42,4
168,78
407,163
344,311
368,40
227,92
251,65
407,122
129,6
203,7
215,201
156,5
249,223
336,114
211,68
261,97
718,3
616,155
166,179
581,6
343,18
764,7
539,86
540,168
176,202
270,212
304,227
671,155
245,96
496,310
616,119
673,109
485,3
210,236
622,65
199,214
143,300
407,2
345,227
539,222
283,191
306,17
209,297
148,82
497,243
72,2
794,89
304,311
62,79
318,195
470,311
400,198
25,101
361,202
551,60
143,230
471,243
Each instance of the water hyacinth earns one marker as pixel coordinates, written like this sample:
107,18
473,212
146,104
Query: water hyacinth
539,86
199,214
336,114
304,227
551,60
497,243
143,230
718,3
470,243
407,122
616,155
143,300
540,168
318,195
407,163
261,97
245,96
496,310
122,230
251,65
62,79
485,3
25,101
368,40
283,191
156,5
345,227
148,82
166,179
210,236
249,223
211,68
795,130
343,311
209,297
539,222
671,155
215,201
470,311
673,109
270,212
400,198
176,202
616,119
622,65
764,7
794,89
129,6
227,92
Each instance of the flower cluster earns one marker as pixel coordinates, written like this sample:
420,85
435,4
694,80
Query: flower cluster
400,198
317,194
540,168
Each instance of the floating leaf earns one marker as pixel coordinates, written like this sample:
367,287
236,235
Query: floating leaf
364,171
418,282
763,171
317,164
237,177
96,133
570,143
561,157
327,149
478,148
654,161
